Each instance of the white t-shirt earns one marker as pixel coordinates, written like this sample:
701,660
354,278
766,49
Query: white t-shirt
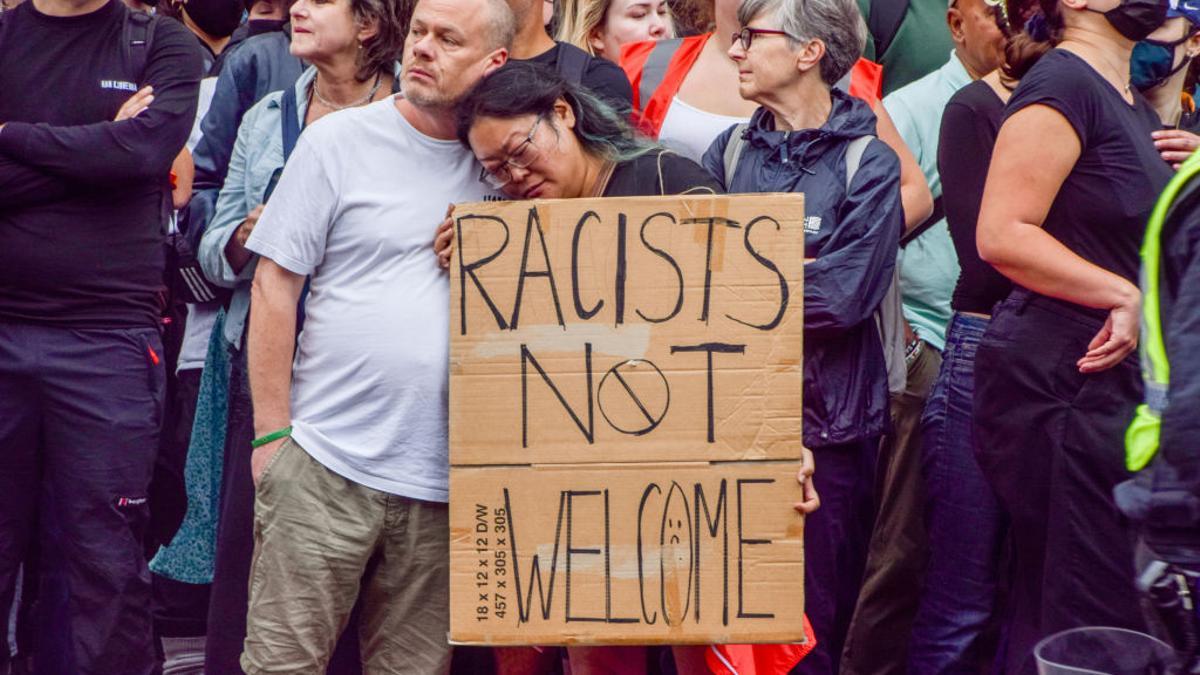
689,130
356,207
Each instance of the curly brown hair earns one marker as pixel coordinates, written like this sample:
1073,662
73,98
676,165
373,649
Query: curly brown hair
1037,28
693,17
380,52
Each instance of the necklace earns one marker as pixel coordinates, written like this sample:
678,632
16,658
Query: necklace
1116,72
335,107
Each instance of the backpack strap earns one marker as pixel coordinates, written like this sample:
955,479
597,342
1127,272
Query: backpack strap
889,317
572,62
884,22
137,37
733,150
289,121
854,155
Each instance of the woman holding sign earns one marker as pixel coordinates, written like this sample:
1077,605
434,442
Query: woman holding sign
538,136
808,136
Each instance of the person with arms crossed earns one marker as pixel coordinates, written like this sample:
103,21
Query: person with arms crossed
83,204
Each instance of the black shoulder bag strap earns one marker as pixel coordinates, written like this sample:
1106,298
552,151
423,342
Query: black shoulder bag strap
939,213
572,62
289,121
289,128
884,22
137,39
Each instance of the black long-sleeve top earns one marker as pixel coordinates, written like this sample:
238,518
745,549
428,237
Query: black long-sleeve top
970,125
80,195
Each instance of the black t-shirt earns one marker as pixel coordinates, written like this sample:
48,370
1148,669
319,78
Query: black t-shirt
603,77
1101,209
81,225
660,172
969,128
1188,121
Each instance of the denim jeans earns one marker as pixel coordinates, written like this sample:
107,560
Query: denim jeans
964,521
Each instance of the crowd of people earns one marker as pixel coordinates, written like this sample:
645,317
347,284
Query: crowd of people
224,235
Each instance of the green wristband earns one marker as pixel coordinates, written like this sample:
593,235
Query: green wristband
273,436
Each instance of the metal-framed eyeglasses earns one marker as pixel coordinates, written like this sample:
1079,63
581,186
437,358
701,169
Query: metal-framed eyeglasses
520,158
747,34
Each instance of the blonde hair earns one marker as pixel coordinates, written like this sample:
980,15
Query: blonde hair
578,19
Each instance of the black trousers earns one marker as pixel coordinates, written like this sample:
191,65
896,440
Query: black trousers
80,417
836,537
1050,440
235,533
180,609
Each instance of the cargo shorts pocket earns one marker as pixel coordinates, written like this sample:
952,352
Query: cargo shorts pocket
284,448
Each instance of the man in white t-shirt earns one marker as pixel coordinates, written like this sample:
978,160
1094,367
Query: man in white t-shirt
351,462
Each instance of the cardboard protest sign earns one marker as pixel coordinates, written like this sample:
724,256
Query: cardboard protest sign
625,421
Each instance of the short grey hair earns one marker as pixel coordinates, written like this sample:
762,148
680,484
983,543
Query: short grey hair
502,24
836,23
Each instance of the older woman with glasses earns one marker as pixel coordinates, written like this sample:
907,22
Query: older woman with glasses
808,136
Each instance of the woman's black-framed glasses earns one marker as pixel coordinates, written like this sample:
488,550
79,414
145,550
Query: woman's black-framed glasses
520,158
747,34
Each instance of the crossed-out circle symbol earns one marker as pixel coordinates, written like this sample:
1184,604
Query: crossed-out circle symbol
651,392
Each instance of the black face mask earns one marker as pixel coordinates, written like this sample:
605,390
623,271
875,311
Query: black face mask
1135,19
218,18
260,26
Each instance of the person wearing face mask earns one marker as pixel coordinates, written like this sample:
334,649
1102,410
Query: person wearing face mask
82,383
602,27
1056,378
211,21
1159,69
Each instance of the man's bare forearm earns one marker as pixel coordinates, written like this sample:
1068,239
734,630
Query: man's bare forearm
270,344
